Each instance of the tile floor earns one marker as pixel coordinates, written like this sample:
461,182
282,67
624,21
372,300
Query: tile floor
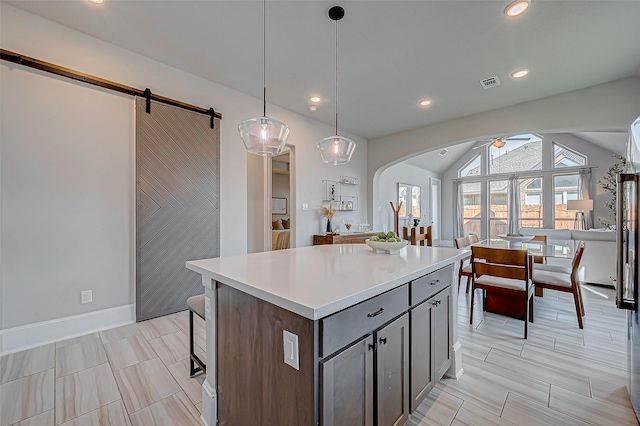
132,375
138,374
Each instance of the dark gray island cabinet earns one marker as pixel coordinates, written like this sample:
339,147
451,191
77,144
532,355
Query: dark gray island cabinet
368,356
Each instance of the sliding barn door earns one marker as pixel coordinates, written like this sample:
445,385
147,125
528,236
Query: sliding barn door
177,206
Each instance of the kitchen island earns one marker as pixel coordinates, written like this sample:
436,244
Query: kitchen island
331,334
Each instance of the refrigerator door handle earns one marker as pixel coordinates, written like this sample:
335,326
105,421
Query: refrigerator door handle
627,242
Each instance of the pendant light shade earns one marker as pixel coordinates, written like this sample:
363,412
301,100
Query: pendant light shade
264,136
336,149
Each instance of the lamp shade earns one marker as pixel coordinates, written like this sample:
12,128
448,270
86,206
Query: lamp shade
584,205
264,136
336,150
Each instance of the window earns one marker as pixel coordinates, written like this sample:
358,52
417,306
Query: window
565,187
531,211
409,200
498,216
565,157
516,155
471,169
472,207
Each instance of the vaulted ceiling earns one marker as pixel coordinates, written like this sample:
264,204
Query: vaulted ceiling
392,54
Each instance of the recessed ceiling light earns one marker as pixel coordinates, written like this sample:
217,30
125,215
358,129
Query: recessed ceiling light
516,8
519,73
425,102
96,1
315,99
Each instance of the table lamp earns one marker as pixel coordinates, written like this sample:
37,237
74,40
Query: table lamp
580,206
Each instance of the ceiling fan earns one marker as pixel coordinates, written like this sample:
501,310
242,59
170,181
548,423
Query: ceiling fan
499,142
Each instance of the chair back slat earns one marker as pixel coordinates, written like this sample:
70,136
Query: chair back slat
503,271
416,238
462,242
500,255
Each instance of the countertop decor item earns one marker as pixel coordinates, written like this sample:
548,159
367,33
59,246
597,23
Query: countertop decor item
386,247
328,212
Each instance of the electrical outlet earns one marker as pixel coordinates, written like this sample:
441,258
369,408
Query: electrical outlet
291,356
86,296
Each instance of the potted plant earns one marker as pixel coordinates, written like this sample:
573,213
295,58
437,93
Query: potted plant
609,184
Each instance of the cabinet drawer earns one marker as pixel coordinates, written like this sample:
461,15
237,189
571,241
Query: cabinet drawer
425,287
344,327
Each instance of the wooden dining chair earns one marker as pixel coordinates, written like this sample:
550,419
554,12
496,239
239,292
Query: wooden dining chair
563,281
542,239
504,273
418,238
465,269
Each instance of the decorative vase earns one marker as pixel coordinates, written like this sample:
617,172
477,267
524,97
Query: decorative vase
329,230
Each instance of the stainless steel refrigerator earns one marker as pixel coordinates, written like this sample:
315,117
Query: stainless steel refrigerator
628,211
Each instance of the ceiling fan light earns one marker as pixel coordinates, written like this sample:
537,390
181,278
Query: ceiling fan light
336,150
264,136
517,8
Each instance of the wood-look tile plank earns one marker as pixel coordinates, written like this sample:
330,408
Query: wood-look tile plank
513,381
171,411
42,419
575,382
476,390
200,339
573,364
608,356
171,347
26,363
128,351
199,407
471,415
192,386
79,354
84,391
589,409
26,397
119,333
144,384
610,393
112,414
157,327
439,407
182,322
524,412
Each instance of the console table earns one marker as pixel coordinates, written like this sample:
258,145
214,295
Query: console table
354,238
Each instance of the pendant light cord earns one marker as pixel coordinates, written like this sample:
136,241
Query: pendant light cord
264,58
336,78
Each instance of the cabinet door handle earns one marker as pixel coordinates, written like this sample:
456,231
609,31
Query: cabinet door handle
434,282
376,313
436,302
383,340
371,346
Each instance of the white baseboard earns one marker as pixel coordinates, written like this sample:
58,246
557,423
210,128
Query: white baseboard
29,336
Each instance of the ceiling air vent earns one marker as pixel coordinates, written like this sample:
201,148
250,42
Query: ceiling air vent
490,82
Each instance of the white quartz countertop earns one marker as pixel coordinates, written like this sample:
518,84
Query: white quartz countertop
318,281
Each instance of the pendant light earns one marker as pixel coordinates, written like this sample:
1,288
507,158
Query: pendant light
264,136
336,149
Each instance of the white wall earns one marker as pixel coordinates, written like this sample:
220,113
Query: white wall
387,191
600,158
607,107
33,36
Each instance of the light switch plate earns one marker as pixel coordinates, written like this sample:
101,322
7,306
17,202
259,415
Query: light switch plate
305,206
291,355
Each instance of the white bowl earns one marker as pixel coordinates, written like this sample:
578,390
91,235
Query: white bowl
386,247
516,241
